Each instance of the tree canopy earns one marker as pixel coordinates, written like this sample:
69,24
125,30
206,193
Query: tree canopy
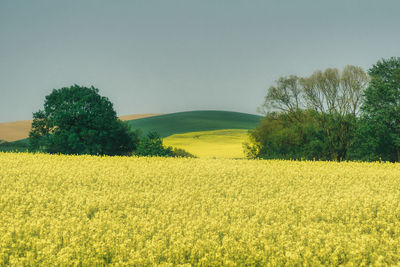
77,120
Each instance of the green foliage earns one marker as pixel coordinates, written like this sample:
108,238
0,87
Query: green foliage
77,120
317,116
378,136
280,136
195,121
181,153
152,145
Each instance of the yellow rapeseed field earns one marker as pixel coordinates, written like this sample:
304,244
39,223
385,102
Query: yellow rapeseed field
85,210
211,144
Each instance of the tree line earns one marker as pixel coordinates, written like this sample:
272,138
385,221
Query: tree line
332,115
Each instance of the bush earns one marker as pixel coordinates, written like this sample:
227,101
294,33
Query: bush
280,136
152,145
181,153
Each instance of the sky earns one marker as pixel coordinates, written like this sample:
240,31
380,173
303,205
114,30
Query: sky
178,55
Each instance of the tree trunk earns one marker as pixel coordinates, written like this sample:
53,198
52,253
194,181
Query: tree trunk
397,154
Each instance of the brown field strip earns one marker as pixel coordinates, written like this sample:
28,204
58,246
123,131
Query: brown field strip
138,116
17,130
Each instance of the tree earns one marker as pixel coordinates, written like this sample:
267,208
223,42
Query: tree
286,96
328,91
333,96
77,120
379,133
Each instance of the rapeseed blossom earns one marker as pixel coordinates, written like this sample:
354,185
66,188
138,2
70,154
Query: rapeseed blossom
87,210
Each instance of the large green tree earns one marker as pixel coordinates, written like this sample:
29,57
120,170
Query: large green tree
379,132
77,120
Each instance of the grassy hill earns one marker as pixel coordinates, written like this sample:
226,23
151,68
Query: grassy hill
195,121
211,144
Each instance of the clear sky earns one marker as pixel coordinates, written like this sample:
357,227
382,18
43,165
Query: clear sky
169,56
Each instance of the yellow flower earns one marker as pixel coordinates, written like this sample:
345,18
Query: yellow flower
87,210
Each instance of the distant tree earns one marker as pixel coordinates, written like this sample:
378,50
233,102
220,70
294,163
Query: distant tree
379,132
77,120
334,98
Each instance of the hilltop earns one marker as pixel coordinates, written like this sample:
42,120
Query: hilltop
195,121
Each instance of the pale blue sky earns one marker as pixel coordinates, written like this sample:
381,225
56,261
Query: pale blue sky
168,56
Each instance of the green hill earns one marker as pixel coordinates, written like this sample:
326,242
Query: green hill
195,121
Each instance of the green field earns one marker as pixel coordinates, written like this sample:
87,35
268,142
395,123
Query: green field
210,144
195,121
